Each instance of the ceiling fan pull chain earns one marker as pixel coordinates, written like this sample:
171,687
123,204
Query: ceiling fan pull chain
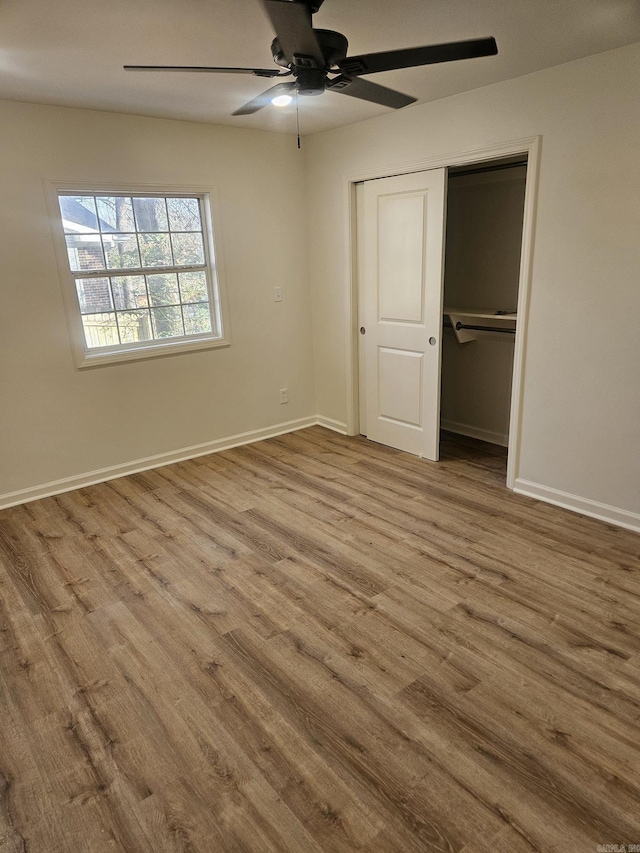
298,120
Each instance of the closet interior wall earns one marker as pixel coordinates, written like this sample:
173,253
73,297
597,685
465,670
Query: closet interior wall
482,265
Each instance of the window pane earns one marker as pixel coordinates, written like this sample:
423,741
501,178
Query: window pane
163,289
78,214
115,213
197,319
151,214
100,330
184,214
167,322
155,250
135,326
187,249
94,295
121,251
85,252
193,286
129,291
139,266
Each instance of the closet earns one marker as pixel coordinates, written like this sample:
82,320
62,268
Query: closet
485,207
438,269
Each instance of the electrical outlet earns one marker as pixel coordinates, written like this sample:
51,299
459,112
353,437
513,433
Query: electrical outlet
277,294
284,395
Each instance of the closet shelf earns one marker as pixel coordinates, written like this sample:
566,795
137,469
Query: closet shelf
468,325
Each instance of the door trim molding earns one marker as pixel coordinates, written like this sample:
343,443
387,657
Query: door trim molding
530,146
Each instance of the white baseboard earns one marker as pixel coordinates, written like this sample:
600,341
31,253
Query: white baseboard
329,423
585,506
90,478
476,432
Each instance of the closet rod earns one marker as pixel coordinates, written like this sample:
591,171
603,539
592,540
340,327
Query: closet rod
459,326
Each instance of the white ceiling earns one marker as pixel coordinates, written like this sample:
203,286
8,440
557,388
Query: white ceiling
71,53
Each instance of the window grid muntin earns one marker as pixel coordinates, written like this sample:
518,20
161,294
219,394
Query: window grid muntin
208,268
149,309
119,234
166,213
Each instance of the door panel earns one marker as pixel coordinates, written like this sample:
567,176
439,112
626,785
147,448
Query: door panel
403,243
400,386
401,250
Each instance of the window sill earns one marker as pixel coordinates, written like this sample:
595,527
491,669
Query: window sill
137,353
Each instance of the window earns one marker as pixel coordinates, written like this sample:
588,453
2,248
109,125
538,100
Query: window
141,272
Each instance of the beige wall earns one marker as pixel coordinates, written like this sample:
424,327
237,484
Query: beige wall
58,422
581,414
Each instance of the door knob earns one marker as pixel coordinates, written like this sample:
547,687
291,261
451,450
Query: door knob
362,330
432,341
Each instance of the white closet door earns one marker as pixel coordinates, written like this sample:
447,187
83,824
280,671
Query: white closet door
403,284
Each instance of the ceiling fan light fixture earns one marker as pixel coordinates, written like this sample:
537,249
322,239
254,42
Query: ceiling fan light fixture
281,100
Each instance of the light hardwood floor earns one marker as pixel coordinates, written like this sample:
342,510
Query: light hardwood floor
317,644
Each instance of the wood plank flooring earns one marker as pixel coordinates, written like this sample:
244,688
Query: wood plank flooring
317,643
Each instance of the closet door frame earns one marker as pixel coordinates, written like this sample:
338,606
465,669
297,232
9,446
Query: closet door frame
530,147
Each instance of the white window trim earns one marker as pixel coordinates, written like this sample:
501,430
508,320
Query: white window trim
85,357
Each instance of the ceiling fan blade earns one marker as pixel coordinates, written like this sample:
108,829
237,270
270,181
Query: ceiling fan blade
265,98
367,91
370,63
292,22
259,72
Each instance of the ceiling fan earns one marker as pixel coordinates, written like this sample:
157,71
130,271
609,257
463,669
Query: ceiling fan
318,60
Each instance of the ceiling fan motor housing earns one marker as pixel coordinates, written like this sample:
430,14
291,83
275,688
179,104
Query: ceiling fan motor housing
310,78
310,81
